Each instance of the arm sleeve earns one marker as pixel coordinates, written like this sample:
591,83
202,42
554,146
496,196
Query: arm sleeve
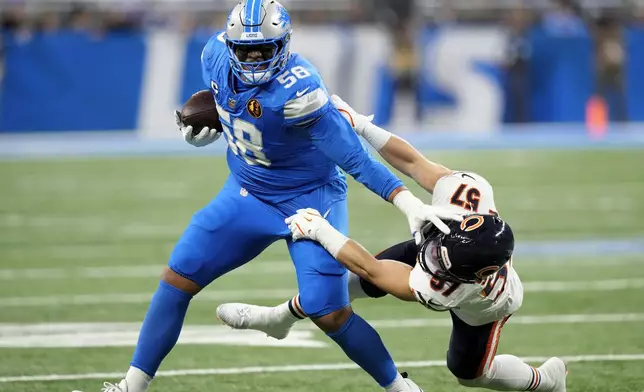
333,135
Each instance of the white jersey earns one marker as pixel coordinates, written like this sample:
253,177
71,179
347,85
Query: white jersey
500,294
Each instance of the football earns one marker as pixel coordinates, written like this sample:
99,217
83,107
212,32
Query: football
201,111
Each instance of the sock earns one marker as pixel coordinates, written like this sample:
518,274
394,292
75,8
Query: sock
399,385
363,345
137,380
356,289
161,327
294,308
509,373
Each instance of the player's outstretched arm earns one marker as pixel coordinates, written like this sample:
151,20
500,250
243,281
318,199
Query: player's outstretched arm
389,275
332,135
404,157
395,150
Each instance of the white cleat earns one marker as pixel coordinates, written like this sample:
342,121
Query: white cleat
413,387
109,387
258,318
555,369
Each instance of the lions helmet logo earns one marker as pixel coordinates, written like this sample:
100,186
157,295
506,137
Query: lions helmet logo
254,108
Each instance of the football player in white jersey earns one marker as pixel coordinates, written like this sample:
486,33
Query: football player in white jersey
467,272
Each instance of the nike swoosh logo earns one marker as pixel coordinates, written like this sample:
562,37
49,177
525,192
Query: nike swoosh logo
464,175
300,93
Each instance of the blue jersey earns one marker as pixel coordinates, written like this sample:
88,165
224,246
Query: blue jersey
285,137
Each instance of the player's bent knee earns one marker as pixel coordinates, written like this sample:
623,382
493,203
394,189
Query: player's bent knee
333,321
182,283
460,368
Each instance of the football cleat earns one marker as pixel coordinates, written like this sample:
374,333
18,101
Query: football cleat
413,387
258,318
555,369
109,387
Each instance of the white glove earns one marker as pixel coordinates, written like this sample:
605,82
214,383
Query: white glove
419,213
358,121
308,224
305,224
203,138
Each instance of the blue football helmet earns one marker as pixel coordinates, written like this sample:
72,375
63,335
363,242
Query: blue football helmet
258,36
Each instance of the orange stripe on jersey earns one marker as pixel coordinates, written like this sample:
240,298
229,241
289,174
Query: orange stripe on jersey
492,345
353,124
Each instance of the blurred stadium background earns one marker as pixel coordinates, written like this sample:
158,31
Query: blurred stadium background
544,98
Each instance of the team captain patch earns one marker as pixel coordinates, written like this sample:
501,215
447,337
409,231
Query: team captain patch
254,108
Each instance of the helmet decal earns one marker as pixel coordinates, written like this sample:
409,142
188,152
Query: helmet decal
258,26
473,250
486,272
472,223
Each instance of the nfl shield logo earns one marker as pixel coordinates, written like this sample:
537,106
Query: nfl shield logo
231,103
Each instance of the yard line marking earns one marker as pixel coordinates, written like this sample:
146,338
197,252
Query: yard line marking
264,267
138,298
22,329
51,336
127,271
298,368
545,251
583,285
524,320
237,295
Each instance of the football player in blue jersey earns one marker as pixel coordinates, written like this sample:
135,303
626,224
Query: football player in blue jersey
286,145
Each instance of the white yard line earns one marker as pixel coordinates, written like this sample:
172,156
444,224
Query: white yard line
128,271
296,368
583,285
64,335
537,253
86,327
545,319
283,294
138,298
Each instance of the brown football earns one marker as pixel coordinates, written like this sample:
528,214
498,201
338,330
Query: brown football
201,111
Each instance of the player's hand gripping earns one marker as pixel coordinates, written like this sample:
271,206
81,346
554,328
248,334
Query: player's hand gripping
358,121
419,213
307,224
203,138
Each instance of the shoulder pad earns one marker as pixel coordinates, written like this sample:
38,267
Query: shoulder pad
306,97
214,47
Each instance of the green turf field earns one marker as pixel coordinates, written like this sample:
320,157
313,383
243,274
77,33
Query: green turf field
83,241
